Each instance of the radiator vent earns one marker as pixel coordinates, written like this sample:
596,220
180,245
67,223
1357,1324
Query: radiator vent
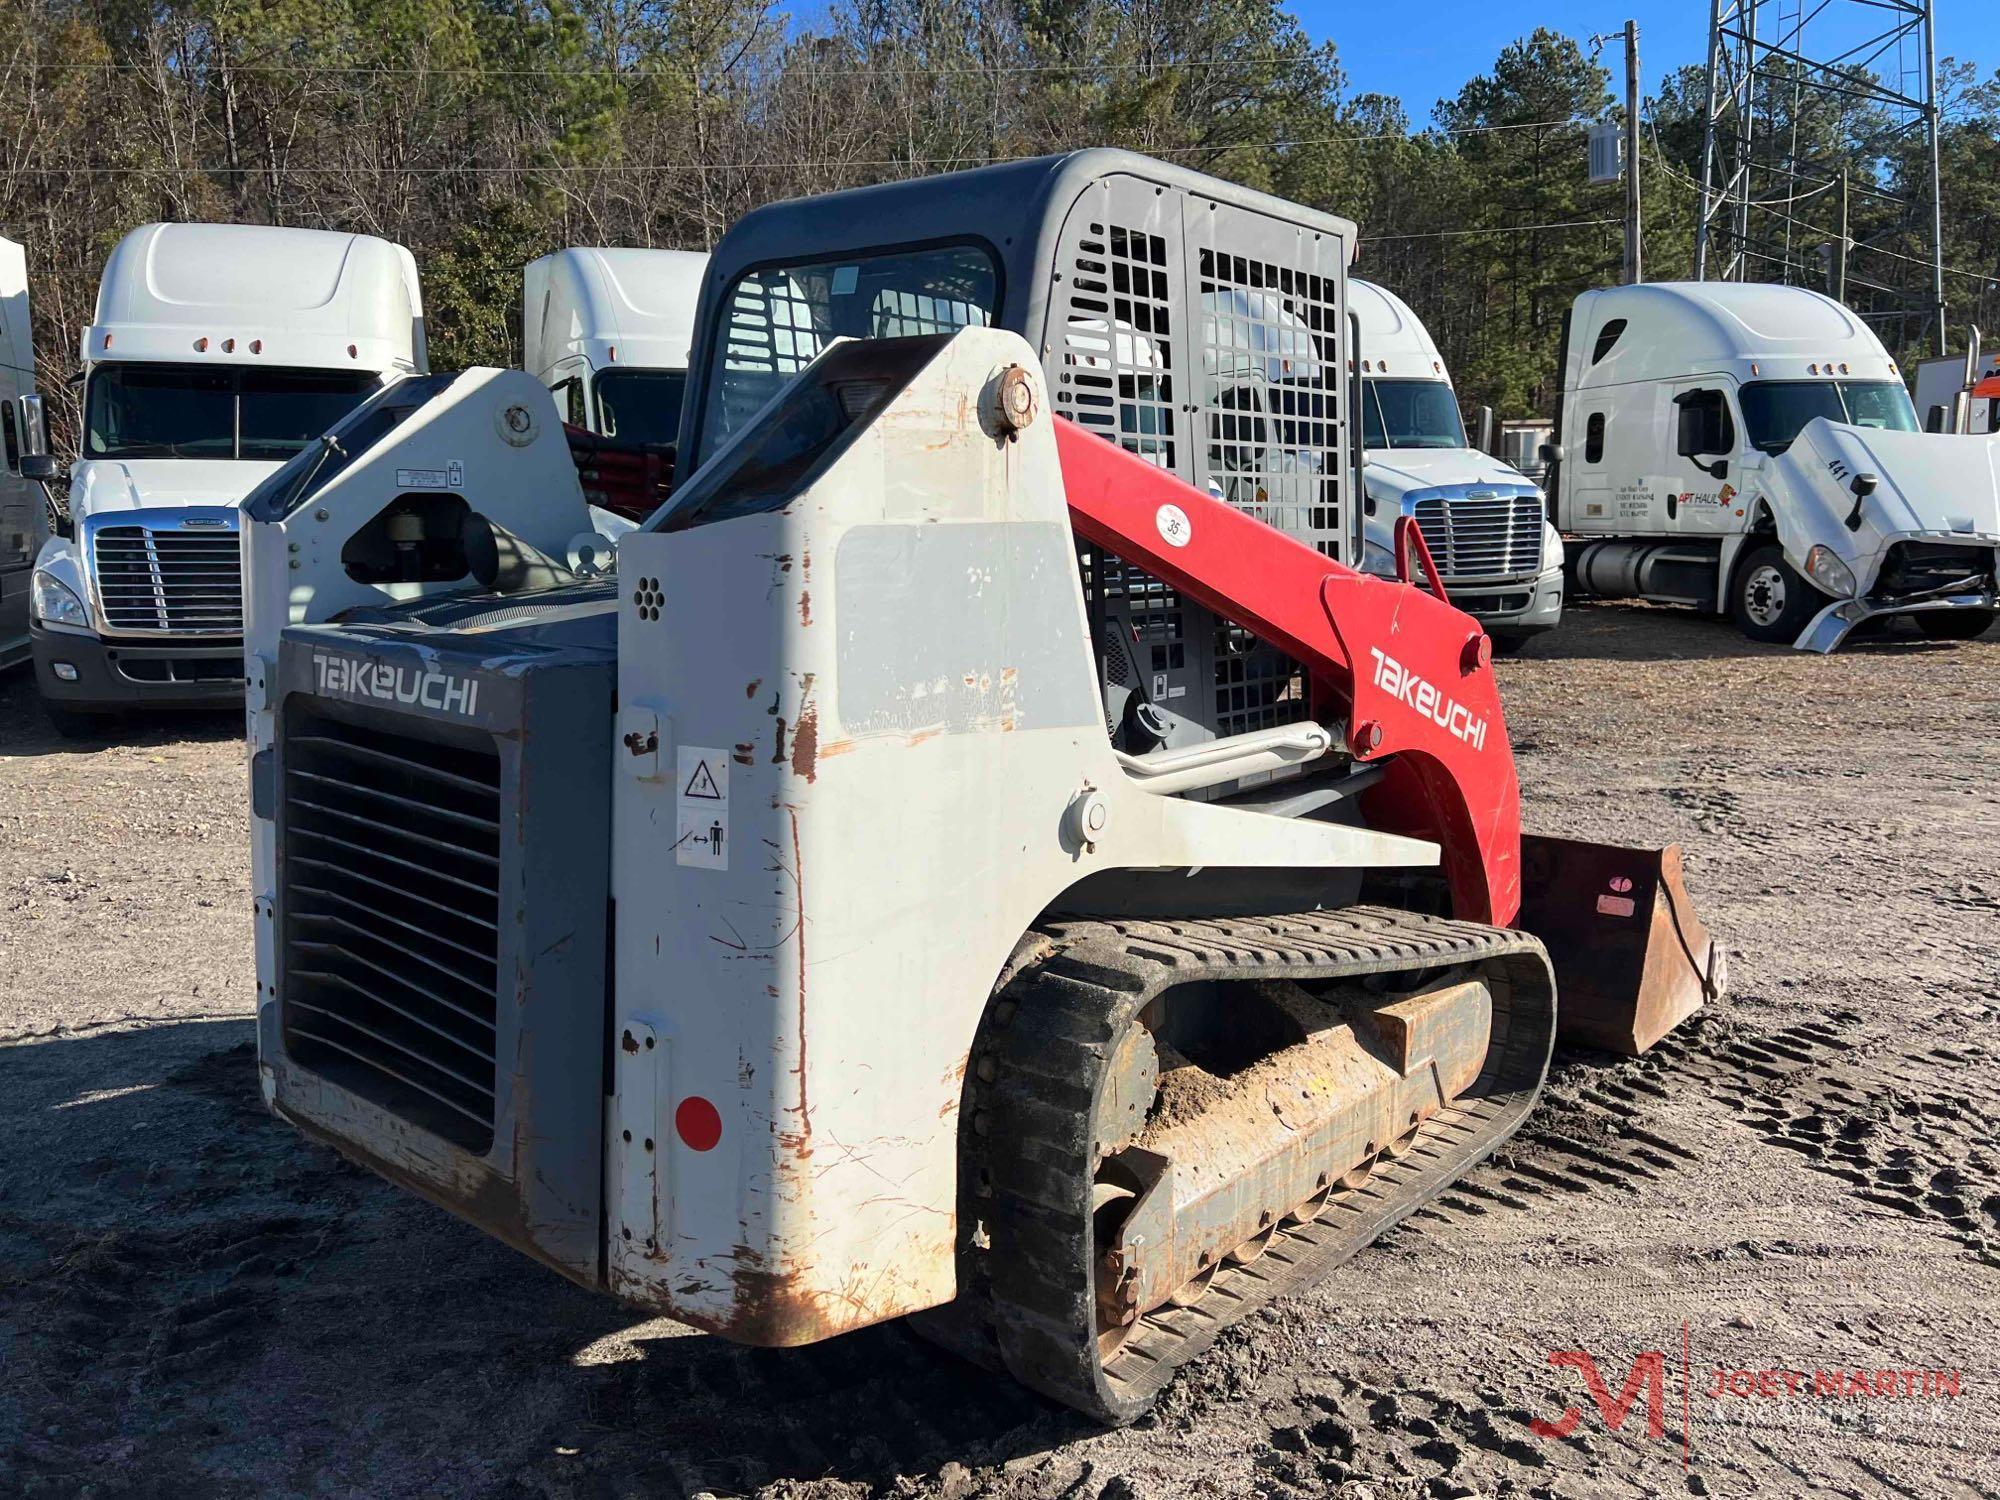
390,867
169,580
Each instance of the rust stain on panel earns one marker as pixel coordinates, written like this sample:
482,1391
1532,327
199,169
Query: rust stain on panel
799,882
805,733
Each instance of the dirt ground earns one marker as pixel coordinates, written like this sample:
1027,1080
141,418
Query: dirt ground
194,1301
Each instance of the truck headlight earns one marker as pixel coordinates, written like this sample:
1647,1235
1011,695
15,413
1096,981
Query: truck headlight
54,604
1824,567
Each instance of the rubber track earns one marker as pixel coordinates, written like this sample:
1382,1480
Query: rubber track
1026,1297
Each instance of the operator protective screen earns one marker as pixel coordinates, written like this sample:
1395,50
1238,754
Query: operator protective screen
778,320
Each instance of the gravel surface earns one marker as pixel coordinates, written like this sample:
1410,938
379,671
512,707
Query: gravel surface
195,1301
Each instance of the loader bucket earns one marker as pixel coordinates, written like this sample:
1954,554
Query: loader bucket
1632,960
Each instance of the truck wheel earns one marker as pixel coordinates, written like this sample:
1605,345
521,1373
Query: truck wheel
1769,599
1955,624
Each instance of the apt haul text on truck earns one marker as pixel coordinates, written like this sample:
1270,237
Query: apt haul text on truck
1753,450
218,352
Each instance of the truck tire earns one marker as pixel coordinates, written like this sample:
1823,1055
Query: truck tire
1955,624
74,724
1769,599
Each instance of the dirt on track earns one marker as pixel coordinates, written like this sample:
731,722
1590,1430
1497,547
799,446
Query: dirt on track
196,1301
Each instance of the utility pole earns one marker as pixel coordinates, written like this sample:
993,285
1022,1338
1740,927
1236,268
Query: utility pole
1635,266
1840,245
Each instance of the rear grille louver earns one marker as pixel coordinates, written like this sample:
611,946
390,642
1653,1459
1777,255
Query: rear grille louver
390,857
169,581
1488,536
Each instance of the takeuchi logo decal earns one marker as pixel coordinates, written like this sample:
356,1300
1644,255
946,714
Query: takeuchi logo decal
1453,717
382,682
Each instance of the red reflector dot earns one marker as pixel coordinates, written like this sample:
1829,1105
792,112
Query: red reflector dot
698,1123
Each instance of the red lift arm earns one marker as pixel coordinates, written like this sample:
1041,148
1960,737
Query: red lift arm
1403,675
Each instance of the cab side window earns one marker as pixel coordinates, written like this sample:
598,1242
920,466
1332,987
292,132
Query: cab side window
1607,336
10,437
1593,439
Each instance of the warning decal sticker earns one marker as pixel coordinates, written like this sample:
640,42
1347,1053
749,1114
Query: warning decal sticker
702,808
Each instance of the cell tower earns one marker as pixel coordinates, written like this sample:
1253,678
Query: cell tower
1820,163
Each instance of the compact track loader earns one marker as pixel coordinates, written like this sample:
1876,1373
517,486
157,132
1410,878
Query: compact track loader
980,852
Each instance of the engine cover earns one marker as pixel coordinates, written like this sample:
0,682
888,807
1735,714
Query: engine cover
440,784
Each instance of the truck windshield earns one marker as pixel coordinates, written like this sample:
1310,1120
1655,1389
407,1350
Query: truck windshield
1775,410
208,411
640,406
776,321
1410,414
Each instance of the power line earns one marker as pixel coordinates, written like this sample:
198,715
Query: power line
1445,234
811,70
517,169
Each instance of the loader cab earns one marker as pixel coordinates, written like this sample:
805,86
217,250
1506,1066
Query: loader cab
1196,323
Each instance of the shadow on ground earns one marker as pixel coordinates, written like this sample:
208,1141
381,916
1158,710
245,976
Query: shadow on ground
26,730
195,1300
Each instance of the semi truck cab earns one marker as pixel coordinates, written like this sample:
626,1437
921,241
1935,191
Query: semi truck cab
1484,521
217,353
1753,450
607,331
23,516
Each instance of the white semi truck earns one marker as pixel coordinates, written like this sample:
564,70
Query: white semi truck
607,331
217,353
1960,392
1484,521
23,519
1753,450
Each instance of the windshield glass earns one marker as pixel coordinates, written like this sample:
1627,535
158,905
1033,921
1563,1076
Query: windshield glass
640,406
207,411
776,321
1775,410
1410,414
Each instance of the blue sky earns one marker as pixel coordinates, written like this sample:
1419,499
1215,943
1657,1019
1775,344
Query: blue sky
1422,52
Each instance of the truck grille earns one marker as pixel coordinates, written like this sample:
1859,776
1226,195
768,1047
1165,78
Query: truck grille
169,580
1483,536
389,890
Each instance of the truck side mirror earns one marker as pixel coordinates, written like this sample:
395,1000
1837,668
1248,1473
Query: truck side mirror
34,427
1690,434
1863,485
1703,427
1936,417
1550,453
1485,429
